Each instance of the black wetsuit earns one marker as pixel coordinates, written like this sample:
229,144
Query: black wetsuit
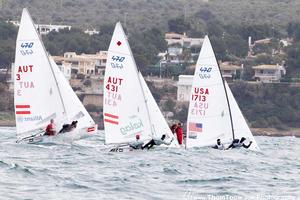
149,145
65,128
237,144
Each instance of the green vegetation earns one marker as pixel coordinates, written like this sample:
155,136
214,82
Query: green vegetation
142,14
6,99
229,24
269,105
8,33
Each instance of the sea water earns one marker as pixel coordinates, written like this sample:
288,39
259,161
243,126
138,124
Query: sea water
85,169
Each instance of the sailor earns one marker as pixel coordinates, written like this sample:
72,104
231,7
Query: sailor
157,141
137,144
179,133
219,145
50,130
68,127
236,143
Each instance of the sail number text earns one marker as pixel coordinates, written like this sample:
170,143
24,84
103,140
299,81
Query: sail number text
26,48
199,94
117,62
205,72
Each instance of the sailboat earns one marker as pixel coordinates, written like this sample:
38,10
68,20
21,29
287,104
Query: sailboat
41,91
129,108
213,112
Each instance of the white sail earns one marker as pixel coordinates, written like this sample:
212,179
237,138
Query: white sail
240,126
41,91
159,126
36,95
208,115
74,108
124,111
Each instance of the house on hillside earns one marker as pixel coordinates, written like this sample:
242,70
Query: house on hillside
87,64
230,71
44,29
178,51
183,40
269,73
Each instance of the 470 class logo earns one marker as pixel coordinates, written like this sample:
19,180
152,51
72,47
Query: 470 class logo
117,61
26,48
205,72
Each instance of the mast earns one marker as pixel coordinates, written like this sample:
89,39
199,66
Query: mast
228,104
59,92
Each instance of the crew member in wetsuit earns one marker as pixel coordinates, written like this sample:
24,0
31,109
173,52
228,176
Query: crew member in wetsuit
219,145
137,144
68,127
157,142
50,130
236,143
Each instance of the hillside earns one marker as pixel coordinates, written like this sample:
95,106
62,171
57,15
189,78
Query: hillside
141,14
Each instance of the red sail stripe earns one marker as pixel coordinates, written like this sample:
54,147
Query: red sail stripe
110,115
110,121
90,129
23,112
22,106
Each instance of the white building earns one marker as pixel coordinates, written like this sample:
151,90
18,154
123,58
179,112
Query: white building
229,70
184,87
65,68
268,73
44,29
88,64
91,32
183,40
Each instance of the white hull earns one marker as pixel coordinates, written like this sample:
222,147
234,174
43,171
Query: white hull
67,137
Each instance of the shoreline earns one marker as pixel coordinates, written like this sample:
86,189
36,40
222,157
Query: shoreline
294,132
271,132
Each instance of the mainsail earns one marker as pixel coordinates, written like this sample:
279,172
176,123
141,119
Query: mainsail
124,110
208,116
41,92
213,112
37,97
128,104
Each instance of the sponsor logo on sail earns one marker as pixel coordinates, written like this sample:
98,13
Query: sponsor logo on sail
134,126
33,118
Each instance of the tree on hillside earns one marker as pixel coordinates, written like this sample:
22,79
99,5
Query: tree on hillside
178,25
8,34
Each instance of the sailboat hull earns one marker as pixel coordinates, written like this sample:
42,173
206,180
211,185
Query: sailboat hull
67,137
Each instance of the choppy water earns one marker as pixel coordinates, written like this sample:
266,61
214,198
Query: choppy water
86,170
